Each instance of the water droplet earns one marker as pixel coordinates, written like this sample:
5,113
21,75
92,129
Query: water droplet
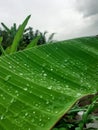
20,74
33,112
17,62
67,86
50,87
47,102
81,81
10,66
25,89
40,119
43,71
26,114
36,105
2,117
12,100
1,95
3,98
17,93
51,69
48,118
7,77
78,94
32,120
25,64
44,74
43,64
56,111
42,124
47,55
28,85
48,110
65,60
27,78
41,96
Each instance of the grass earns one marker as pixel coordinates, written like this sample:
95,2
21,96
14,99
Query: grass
82,113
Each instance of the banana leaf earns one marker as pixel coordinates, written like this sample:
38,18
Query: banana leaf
39,85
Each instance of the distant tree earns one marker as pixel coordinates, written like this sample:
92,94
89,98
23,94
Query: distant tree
29,34
7,34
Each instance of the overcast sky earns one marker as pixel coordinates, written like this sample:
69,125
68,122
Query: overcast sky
67,18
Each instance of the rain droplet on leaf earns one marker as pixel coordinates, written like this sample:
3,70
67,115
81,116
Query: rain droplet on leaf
28,85
7,77
51,69
50,87
1,117
26,114
44,74
12,100
20,74
32,120
25,89
41,96
33,112
40,119
10,66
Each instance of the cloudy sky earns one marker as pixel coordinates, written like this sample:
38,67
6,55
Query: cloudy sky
67,18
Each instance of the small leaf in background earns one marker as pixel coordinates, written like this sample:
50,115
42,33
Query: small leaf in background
33,42
1,48
50,39
1,38
5,27
19,35
7,50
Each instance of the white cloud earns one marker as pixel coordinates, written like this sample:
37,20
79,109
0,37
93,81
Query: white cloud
61,16
87,7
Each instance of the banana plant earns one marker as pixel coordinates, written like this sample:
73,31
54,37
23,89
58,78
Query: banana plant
16,34
1,48
41,84
18,39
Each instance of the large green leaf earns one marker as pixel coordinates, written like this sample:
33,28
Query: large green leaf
39,85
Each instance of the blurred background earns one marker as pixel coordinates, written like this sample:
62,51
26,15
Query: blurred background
67,18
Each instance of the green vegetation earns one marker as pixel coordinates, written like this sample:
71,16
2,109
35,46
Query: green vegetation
19,39
73,121
40,85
